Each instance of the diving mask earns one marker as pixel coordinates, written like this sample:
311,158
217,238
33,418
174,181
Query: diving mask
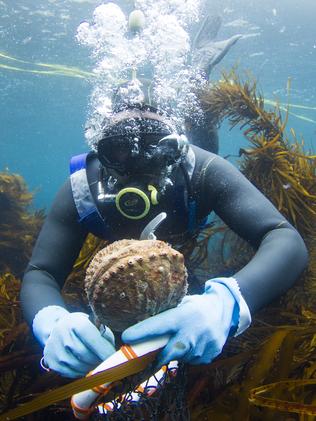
140,146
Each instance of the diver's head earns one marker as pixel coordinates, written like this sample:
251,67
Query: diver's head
140,141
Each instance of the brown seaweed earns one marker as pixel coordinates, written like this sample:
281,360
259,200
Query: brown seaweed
276,164
18,225
282,337
287,388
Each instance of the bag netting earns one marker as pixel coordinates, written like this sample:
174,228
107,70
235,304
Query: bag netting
162,399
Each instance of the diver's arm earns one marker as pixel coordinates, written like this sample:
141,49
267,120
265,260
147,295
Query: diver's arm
72,345
281,253
56,249
200,325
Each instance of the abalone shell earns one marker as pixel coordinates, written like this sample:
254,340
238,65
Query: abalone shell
130,280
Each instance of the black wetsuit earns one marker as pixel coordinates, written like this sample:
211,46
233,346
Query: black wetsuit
280,258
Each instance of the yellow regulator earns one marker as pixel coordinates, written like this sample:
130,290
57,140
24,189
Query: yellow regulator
135,203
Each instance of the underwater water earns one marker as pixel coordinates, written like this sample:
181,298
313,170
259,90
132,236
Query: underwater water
44,109
60,62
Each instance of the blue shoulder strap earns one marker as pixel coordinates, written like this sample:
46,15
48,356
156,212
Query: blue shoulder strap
88,213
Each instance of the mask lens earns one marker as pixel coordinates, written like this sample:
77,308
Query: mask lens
119,152
115,151
149,142
133,138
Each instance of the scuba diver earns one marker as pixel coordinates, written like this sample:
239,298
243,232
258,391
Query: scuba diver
140,168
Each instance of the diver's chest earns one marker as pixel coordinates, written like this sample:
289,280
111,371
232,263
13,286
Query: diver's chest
119,226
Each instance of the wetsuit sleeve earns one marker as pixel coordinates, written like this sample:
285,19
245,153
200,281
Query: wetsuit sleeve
54,254
281,254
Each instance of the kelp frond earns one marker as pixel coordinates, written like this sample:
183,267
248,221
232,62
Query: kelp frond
240,104
18,225
276,163
10,313
294,388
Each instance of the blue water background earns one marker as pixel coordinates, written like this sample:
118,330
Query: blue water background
42,117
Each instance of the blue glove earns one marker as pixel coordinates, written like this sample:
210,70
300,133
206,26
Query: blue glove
72,344
198,327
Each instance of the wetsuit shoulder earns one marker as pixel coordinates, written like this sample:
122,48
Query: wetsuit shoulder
224,189
281,254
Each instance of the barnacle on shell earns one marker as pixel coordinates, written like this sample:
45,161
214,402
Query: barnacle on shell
130,280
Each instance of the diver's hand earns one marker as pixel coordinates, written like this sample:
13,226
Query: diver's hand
72,344
199,326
